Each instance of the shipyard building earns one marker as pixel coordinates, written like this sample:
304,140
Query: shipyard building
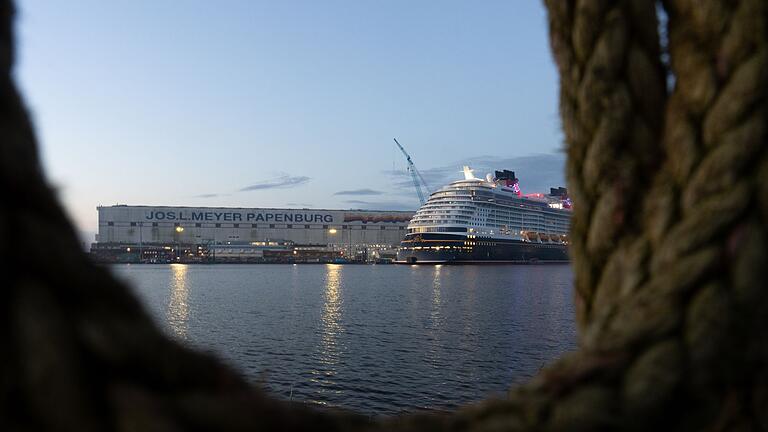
249,230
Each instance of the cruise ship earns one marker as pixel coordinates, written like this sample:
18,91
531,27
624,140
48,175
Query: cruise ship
488,220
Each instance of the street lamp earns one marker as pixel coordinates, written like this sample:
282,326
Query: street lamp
350,255
179,230
141,228
333,231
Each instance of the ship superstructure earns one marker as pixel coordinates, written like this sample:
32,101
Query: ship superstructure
479,220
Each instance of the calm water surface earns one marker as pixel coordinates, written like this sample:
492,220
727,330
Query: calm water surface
378,339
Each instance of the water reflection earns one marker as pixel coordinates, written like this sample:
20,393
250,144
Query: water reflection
331,316
177,313
433,354
380,339
434,314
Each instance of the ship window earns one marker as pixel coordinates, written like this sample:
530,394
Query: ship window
271,225
306,226
154,224
324,227
253,225
289,226
176,224
110,223
218,225
236,226
133,223
383,228
363,227
198,225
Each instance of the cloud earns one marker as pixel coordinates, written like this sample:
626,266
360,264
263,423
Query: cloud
282,182
293,204
359,192
537,172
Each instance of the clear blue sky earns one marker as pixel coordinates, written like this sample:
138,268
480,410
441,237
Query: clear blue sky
189,103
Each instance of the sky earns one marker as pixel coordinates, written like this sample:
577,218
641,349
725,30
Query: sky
284,103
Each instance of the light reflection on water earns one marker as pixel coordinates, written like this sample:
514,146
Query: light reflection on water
435,320
332,327
435,313
177,313
376,339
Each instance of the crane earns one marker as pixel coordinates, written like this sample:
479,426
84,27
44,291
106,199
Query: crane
418,180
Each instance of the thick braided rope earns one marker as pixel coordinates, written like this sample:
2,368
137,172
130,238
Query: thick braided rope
612,96
687,296
78,352
675,333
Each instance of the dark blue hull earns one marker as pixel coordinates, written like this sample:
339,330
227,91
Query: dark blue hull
432,248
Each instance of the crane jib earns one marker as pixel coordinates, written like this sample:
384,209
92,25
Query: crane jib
418,179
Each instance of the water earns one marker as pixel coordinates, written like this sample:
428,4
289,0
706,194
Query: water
377,339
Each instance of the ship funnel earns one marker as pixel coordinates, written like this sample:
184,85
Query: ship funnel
468,173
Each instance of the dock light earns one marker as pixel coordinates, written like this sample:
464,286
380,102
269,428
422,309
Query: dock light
179,229
332,230
127,249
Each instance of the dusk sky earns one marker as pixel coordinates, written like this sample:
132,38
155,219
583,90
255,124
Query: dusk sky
284,103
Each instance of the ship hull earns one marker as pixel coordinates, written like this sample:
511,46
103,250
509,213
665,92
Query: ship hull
455,249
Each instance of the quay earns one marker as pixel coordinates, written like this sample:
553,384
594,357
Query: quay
263,252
